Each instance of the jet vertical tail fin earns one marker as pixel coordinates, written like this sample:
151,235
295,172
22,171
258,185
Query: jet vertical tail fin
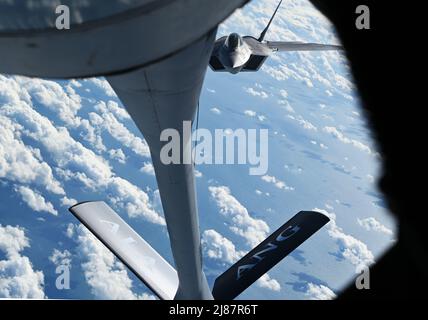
129,247
267,254
262,35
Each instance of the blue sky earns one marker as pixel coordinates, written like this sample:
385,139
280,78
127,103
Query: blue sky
68,141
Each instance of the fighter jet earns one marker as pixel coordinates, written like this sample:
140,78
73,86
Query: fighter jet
157,72
236,54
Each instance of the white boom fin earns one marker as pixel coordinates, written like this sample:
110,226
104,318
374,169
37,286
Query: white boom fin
144,261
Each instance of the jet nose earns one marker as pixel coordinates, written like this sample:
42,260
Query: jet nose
235,61
231,60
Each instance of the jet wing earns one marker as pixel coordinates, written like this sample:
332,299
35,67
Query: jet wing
257,48
300,46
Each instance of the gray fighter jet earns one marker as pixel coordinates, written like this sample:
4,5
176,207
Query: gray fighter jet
236,54
155,54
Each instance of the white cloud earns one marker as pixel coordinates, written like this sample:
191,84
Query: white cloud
68,202
156,199
371,224
103,85
75,83
107,277
321,145
350,248
265,281
117,110
287,106
253,230
108,121
283,93
342,138
12,240
91,135
65,103
276,182
256,93
35,200
250,113
23,164
62,148
198,174
61,258
304,123
215,110
133,200
118,155
148,169
18,279
73,160
275,73
216,246
319,292
70,230
329,207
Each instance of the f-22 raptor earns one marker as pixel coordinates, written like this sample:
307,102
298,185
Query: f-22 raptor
234,53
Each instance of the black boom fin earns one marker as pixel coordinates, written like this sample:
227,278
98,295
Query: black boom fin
267,254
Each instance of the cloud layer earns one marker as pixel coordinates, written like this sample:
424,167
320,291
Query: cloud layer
18,279
107,277
252,230
72,160
350,248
